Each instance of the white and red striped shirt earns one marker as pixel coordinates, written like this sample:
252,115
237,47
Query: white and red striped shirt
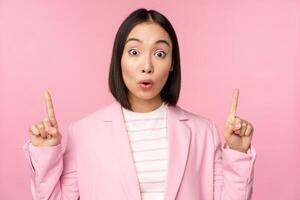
147,134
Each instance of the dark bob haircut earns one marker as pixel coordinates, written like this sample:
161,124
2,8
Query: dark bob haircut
171,90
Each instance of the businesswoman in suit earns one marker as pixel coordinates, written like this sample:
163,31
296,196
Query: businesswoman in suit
101,158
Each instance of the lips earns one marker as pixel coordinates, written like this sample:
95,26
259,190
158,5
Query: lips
146,82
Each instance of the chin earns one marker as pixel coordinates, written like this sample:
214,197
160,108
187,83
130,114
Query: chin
145,95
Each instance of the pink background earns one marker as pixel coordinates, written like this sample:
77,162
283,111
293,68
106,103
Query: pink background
65,47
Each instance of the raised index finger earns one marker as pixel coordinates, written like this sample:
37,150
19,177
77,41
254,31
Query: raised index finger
50,108
234,102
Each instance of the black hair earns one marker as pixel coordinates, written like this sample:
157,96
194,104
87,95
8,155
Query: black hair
171,90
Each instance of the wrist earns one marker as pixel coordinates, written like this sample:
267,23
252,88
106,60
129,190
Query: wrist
236,149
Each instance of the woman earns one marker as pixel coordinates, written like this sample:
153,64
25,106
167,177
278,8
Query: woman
142,145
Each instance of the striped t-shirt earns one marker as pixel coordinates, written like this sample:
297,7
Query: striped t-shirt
147,134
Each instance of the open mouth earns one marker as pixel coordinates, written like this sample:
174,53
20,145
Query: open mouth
146,85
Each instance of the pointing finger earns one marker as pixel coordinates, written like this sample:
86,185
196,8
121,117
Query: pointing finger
234,102
50,108
46,123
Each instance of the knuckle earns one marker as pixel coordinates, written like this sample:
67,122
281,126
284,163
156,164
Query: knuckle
48,130
30,130
250,128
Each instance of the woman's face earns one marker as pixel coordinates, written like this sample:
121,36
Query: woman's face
147,55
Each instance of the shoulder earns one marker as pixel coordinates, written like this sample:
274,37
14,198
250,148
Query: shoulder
201,127
195,119
95,116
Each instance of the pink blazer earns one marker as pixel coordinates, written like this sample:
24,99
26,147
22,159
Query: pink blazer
97,162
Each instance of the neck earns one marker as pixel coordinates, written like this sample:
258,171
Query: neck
140,105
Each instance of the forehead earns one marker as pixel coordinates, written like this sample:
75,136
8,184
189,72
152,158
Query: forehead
149,33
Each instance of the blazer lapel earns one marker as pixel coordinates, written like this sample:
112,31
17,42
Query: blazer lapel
179,136
122,150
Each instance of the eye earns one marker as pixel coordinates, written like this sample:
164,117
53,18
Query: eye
133,52
161,54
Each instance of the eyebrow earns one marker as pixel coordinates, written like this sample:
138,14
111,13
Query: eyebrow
158,41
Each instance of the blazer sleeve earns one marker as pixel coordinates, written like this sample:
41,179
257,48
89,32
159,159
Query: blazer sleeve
53,173
233,171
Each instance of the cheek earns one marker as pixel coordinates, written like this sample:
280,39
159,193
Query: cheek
164,70
127,71
163,76
124,64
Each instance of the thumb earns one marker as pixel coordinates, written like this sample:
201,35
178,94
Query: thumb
229,128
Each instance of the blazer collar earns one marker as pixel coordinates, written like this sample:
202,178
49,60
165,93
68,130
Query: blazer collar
115,108
179,136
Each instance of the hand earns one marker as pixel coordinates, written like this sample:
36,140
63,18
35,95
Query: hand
238,132
46,133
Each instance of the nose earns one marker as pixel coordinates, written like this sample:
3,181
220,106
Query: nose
147,67
146,70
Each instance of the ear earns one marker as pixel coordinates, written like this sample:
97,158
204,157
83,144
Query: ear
171,68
